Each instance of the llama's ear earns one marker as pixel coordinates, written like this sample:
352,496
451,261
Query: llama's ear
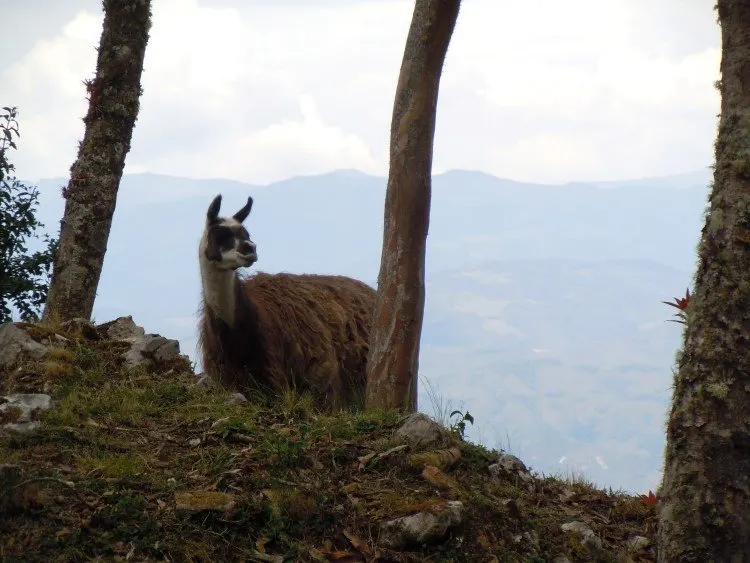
242,214
213,209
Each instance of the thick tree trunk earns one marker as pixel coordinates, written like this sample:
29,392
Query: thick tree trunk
91,194
397,324
705,495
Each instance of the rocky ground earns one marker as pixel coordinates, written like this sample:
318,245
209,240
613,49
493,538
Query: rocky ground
112,449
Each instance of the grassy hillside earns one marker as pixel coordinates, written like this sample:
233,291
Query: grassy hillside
142,464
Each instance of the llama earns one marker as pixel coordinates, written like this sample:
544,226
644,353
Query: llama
272,332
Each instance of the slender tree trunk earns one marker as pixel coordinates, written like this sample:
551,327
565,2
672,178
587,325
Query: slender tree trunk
704,512
397,325
91,194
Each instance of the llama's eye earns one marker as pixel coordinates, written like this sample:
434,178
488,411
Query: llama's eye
224,238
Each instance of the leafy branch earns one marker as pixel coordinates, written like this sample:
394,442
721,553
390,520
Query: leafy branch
23,274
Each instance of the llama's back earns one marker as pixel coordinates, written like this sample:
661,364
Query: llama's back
316,332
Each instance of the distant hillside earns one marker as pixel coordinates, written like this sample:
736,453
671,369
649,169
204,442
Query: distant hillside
544,308
564,359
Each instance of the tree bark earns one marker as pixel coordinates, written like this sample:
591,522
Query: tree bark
91,194
393,359
704,512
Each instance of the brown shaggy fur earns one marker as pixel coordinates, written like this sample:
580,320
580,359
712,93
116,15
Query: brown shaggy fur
308,332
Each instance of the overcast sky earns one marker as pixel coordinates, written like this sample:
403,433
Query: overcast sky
540,90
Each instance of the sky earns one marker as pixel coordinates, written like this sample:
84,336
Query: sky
258,91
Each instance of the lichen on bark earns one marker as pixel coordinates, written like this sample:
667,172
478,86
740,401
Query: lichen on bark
705,494
397,324
91,193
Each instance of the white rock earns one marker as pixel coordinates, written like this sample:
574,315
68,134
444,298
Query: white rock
15,344
170,350
637,543
511,465
588,538
423,527
236,399
151,347
124,328
160,348
204,380
419,429
27,403
220,422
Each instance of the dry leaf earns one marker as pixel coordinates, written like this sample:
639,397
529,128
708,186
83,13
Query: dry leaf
339,556
439,479
357,543
351,488
364,460
260,545
442,459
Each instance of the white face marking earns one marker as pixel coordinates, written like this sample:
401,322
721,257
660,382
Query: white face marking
218,290
229,222
232,258
225,245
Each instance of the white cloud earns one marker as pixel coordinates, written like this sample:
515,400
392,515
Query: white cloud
47,85
562,154
262,91
298,147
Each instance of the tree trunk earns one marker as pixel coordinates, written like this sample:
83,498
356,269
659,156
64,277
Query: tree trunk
704,512
397,324
91,193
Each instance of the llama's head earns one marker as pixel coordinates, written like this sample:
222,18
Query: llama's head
226,244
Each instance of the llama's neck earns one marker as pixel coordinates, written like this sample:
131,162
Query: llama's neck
219,291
